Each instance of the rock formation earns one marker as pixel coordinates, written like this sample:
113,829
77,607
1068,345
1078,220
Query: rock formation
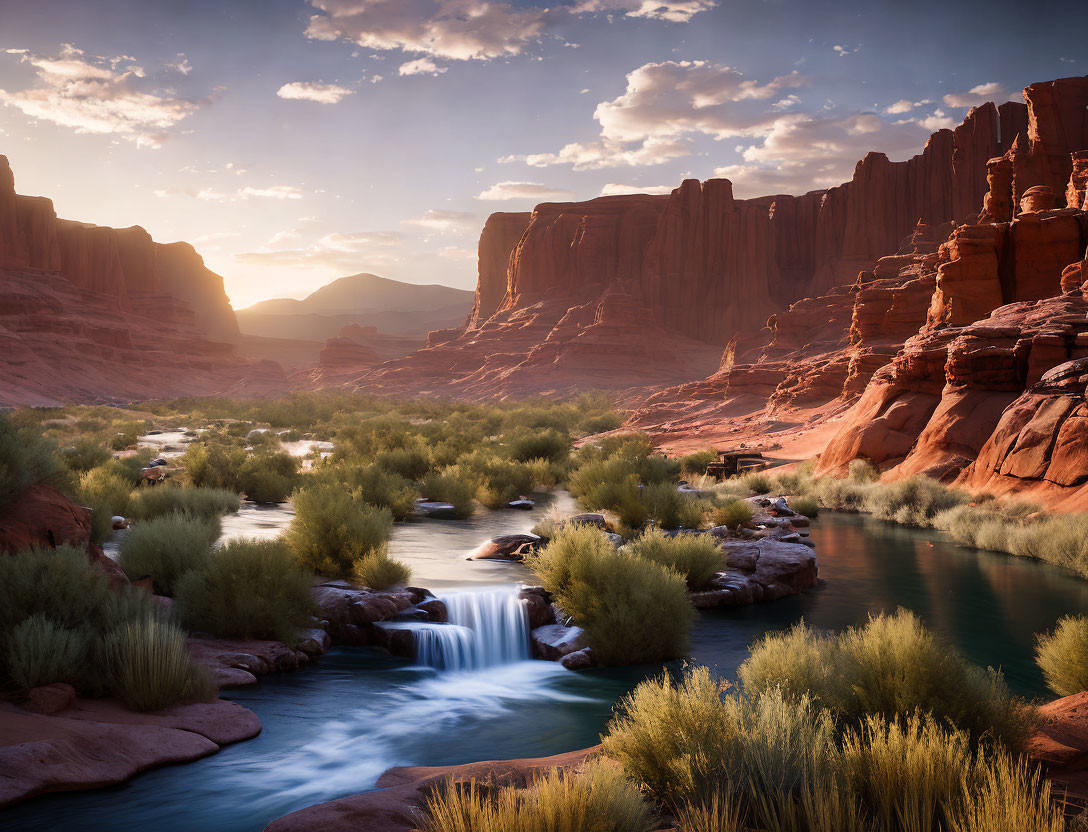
101,314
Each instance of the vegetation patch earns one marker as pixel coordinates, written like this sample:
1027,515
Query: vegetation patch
166,548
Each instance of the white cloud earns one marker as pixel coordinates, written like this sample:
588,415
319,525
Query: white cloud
462,30
181,65
525,190
90,95
992,91
900,106
357,251
802,152
421,66
277,192
843,51
937,121
608,154
444,221
313,91
673,11
614,189
456,253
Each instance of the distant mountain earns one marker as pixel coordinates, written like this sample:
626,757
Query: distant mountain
394,307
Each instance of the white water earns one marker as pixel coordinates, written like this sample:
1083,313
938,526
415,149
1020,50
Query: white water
485,629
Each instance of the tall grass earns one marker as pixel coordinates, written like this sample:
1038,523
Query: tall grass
164,500
697,557
1063,656
40,652
1011,794
890,667
249,589
26,458
596,799
732,514
632,610
379,571
332,530
152,668
166,548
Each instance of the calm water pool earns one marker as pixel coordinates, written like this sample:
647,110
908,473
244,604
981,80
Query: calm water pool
331,729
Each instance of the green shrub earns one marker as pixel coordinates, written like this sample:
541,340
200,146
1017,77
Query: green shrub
379,571
890,667
41,652
695,463
410,463
600,423
723,811
166,548
214,465
372,484
546,474
268,478
26,458
547,444
152,668
1063,656
449,487
333,529
757,482
165,500
632,610
805,505
733,514
85,454
106,487
695,556
844,495
249,589
596,799
670,509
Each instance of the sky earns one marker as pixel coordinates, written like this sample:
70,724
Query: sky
296,141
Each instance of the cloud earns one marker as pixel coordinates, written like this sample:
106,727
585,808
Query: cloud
673,11
977,95
278,192
358,251
843,51
421,66
462,30
181,65
802,152
525,190
456,253
614,190
313,91
443,221
608,154
937,121
900,106
455,29
97,95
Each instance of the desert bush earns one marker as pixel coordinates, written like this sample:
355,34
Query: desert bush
105,493
373,485
333,529
41,652
410,463
805,505
268,478
249,589
86,453
451,487
1010,793
685,742
214,464
597,798
379,571
152,668
1063,656
631,609
892,666
841,494
600,423
545,473
909,773
548,444
913,501
863,471
200,503
695,463
695,556
757,482
166,548
723,811
27,458
733,514
669,508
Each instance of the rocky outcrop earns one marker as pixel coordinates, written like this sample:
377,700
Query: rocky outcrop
89,313
501,234
97,743
1060,745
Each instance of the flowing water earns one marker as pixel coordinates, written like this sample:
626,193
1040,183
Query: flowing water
333,728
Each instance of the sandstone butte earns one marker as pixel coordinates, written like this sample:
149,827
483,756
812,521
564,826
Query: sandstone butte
98,314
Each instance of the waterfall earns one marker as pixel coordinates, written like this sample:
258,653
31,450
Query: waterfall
485,629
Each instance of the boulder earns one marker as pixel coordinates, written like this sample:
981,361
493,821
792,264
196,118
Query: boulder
505,547
50,699
554,641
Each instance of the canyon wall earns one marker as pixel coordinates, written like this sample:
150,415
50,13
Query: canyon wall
89,313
